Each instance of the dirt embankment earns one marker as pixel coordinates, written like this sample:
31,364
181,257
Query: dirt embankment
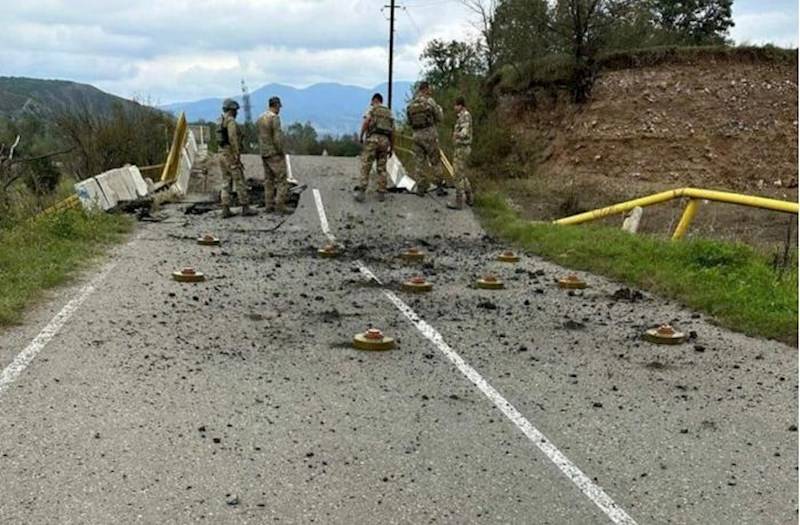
712,124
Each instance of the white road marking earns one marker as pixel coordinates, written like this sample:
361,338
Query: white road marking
26,357
323,219
289,175
590,489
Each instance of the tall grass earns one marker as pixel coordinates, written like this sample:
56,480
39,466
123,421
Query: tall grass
44,253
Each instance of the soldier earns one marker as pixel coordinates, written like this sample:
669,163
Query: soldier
270,138
462,139
230,139
423,115
378,127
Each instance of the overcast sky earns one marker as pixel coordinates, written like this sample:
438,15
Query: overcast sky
175,50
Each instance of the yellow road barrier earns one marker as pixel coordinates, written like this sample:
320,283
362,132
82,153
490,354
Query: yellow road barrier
174,158
692,207
70,203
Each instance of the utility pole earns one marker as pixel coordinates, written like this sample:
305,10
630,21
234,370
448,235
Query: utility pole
392,8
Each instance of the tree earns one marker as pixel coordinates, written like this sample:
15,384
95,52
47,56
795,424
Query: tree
520,30
581,27
447,63
695,22
301,139
485,11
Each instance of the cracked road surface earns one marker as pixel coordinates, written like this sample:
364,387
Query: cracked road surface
239,400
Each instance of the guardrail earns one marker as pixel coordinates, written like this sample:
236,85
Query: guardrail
70,203
694,195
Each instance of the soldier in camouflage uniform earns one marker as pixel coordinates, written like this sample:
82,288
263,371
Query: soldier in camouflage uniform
462,139
423,115
378,127
230,139
270,139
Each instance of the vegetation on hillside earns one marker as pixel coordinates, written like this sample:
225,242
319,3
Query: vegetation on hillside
71,146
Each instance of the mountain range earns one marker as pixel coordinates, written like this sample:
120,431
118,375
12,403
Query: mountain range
20,96
333,109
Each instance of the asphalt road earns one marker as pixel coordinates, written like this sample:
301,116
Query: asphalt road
239,401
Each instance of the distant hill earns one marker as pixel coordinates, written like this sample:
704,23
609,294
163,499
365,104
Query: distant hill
331,108
37,97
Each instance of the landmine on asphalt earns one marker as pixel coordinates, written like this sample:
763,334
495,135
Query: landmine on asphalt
373,340
508,257
572,282
328,251
208,240
664,335
417,285
188,275
490,282
413,255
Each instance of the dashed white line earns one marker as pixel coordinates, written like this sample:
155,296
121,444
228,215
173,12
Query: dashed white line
589,488
26,357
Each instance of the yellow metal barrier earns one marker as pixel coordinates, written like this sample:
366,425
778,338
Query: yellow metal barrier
70,203
694,195
178,142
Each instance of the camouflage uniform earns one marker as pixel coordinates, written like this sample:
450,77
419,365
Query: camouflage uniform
426,145
377,149
232,167
270,138
462,138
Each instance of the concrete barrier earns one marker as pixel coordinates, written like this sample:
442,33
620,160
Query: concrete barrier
107,190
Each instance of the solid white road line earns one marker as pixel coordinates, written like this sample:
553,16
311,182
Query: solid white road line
589,488
289,175
323,219
26,357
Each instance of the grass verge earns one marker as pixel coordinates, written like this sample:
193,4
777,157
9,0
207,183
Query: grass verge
38,255
730,282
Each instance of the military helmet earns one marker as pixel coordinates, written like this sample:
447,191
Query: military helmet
229,105
275,101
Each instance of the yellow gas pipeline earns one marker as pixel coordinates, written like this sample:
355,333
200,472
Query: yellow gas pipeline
694,195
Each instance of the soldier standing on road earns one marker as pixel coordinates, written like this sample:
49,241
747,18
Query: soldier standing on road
230,139
270,138
423,115
462,138
378,127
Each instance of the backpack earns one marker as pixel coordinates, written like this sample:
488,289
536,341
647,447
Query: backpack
420,114
381,121
222,134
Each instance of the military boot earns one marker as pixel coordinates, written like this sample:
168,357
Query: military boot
381,196
470,200
360,195
247,211
440,191
226,212
458,203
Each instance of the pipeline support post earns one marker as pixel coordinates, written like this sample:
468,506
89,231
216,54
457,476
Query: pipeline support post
688,216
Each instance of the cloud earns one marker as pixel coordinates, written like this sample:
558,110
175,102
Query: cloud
186,49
